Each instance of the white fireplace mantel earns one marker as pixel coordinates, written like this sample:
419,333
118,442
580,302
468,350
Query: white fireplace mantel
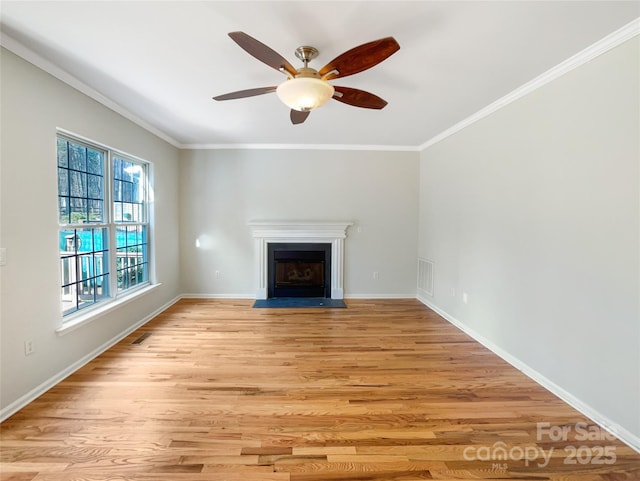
266,232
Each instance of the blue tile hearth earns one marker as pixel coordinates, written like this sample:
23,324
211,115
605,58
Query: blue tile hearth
299,302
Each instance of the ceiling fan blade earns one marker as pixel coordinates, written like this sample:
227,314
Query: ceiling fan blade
360,58
358,98
240,94
297,117
263,53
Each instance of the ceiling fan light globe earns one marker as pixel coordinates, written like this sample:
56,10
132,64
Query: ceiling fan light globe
304,94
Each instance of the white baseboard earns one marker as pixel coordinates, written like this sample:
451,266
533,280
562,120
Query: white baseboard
21,402
218,296
603,421
380,296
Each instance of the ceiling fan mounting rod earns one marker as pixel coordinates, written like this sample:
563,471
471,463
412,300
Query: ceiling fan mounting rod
306,54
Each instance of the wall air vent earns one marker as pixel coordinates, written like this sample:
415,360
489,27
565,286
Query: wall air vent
425,276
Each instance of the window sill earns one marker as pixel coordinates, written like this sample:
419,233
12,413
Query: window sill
100,310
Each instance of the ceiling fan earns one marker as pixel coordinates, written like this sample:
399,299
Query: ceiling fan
306,88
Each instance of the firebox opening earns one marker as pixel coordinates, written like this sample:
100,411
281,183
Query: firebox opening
299,270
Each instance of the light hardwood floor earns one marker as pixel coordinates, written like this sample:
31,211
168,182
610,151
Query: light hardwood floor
382,390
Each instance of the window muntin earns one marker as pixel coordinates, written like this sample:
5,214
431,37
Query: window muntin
108,191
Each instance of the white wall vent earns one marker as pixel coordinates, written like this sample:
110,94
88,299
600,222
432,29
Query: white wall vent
425,276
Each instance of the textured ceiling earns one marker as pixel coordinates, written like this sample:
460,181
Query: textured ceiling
162,62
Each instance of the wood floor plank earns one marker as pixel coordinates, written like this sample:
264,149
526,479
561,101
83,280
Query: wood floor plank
383,390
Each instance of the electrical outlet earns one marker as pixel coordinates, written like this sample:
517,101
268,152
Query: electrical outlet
218,275
376,275
465,298
28,347
3,256
453,292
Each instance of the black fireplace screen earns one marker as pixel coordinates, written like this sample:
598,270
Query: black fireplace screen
299,270
299,273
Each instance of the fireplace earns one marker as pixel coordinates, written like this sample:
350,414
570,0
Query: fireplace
332,234
299,270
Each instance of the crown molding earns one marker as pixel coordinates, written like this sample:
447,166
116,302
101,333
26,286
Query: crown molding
609,42
42,63
382,148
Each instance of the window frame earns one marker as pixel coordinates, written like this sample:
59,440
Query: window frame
114,295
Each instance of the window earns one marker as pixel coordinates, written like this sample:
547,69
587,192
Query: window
129,211
103,217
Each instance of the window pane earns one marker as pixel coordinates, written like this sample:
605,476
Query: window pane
100,240
68,297
117,212
102,288
129,188
63,153
63,209
78,211
121,237
137,213
80,183
95,162
85,294
68,241
117,191
127,194
95,186
77,184
127,213
96,210
85,240
77,157
132,256
63,182
84,267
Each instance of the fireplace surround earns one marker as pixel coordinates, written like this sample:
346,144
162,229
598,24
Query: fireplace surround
303,232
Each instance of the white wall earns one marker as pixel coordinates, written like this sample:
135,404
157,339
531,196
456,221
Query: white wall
34,104
222,190
534,212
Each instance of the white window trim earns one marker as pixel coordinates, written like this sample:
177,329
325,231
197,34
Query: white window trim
87,315
78,318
